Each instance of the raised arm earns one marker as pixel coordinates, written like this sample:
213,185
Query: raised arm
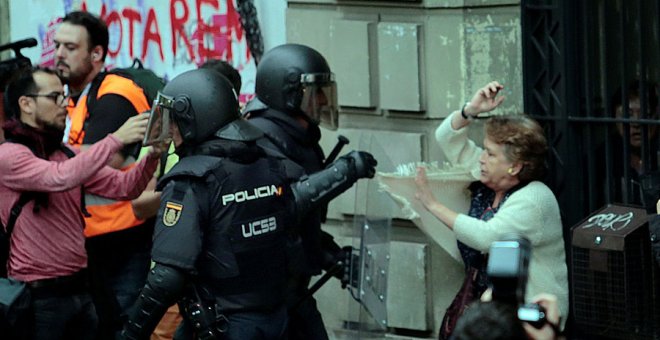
123,185
25,172
453,138
485,100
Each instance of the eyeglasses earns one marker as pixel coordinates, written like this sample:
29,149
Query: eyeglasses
58,97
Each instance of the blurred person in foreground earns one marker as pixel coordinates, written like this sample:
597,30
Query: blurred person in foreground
497,320
507,197
48,245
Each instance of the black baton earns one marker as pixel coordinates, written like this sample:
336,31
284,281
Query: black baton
318,284
341,141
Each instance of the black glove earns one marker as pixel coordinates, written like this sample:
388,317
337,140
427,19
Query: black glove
319,188
364,163
329,252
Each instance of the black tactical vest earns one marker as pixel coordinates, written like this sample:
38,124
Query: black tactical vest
242,263
283,134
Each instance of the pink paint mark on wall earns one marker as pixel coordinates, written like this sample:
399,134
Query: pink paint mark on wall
178,20
47,36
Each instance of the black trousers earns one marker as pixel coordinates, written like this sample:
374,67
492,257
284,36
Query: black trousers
62,308
305,321
245,326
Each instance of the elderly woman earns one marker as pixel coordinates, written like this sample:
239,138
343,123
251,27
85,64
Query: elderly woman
507,197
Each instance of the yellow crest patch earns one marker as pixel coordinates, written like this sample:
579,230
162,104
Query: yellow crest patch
172,213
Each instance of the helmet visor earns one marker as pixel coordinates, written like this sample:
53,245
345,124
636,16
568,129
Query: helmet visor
158,128
319,101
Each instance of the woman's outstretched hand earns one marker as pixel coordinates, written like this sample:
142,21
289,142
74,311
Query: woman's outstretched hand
423,193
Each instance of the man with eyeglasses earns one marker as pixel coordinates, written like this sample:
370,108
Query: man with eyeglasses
47,243
60,98
118,242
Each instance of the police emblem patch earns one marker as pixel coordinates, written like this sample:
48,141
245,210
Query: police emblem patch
172,213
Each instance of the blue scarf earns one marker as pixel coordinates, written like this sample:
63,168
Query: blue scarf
481,208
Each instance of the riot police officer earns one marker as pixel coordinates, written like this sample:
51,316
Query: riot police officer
295,93
226,207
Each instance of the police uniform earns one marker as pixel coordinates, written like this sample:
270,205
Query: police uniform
277,111
315,250
223,220
225,211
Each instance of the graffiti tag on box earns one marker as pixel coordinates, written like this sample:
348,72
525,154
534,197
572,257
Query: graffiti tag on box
609,221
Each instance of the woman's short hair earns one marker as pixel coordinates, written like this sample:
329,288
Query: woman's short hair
524,142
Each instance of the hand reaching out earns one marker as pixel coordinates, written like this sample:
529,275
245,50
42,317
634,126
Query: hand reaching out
157,149
133,129
437,209
549,331
485,99
423,193
551,328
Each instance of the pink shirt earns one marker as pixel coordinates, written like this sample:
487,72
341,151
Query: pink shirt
51,243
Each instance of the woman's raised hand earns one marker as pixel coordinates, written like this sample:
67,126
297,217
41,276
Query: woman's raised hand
484,100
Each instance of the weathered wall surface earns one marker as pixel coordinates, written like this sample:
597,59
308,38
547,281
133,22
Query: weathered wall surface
4,27
401,67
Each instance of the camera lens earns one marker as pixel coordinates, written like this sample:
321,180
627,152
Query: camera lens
533,314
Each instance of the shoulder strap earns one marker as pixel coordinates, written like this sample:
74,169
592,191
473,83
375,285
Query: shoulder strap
163,163
16,210
93,92
23,199
27,196
68,152
111,82
5,234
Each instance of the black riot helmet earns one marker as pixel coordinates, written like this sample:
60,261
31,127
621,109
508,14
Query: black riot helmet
296,79
203,104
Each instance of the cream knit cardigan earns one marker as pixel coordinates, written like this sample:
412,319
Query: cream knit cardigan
531,211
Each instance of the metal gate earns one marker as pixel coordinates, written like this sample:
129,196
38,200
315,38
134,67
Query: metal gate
590,77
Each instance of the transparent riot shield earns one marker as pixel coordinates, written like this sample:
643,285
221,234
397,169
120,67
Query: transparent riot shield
371,231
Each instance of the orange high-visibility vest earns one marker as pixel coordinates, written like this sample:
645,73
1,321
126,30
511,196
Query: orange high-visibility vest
107,215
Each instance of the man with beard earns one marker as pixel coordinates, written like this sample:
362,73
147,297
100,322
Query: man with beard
47,244
118,241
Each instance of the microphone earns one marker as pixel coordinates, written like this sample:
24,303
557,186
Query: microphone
17,45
